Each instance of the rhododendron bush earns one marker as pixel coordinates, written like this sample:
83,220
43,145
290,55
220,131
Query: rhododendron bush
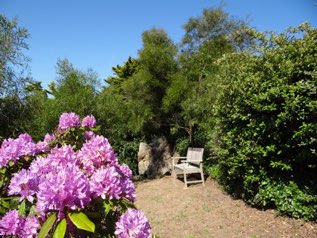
70,184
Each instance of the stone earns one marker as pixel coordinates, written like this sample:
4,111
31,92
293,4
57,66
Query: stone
143,166
144,151
154,159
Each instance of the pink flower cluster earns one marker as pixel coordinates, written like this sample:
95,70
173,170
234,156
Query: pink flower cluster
95,153
89,121
14,149
66,179
14,225
68,120
60,183
133,223
111,183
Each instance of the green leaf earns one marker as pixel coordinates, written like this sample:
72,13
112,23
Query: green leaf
81,221
22,208
47,226
127,204
107,205
5,203
33,210
60,229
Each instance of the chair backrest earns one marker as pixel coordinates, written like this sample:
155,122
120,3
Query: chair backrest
195,154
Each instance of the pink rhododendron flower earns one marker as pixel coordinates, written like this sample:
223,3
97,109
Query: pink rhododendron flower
62,155
61,183
133,223
26,138
126,171
128,189
89,121
30,228
127,186
64,187
88,134
109,182
49,138
39,166
24,184
105,183
14,149
66,178
95,153
43,146
68,120
10,224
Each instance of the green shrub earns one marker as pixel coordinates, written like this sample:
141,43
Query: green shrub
288,198
182,145
214,171
265,116
127,152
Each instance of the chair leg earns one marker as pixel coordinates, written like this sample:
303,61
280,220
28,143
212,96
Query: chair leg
202,177
174,173
185,179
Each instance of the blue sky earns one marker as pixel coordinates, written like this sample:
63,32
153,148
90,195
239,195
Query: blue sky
100,34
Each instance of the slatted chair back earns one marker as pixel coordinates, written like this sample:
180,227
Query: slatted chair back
195,155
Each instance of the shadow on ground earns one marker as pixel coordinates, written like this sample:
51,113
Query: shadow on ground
206,211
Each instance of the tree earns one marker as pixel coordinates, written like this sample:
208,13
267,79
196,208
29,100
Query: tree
130,106
207,38
39,110
112,106
115,114
13,63
145,90
213,24
13,76
74,91
122,73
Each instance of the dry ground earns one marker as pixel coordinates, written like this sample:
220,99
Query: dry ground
202,212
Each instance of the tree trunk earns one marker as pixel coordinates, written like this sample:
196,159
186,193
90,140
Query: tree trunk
191,134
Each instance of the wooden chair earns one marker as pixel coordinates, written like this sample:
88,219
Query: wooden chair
192,163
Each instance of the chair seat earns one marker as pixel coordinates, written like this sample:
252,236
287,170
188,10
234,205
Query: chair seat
187,167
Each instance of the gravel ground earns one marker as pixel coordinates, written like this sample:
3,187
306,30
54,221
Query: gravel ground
206,211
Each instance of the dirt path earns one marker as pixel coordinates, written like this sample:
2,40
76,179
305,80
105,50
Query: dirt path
202,212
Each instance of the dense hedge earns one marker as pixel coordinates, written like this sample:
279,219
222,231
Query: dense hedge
266,120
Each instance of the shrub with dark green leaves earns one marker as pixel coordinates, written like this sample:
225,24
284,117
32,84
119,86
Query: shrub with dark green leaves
288,198
127,152
266,114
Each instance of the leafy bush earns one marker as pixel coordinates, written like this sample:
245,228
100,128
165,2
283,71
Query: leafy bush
288,198
214,171
128,153
266,122
182,145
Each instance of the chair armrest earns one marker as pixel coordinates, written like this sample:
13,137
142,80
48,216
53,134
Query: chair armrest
179,158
